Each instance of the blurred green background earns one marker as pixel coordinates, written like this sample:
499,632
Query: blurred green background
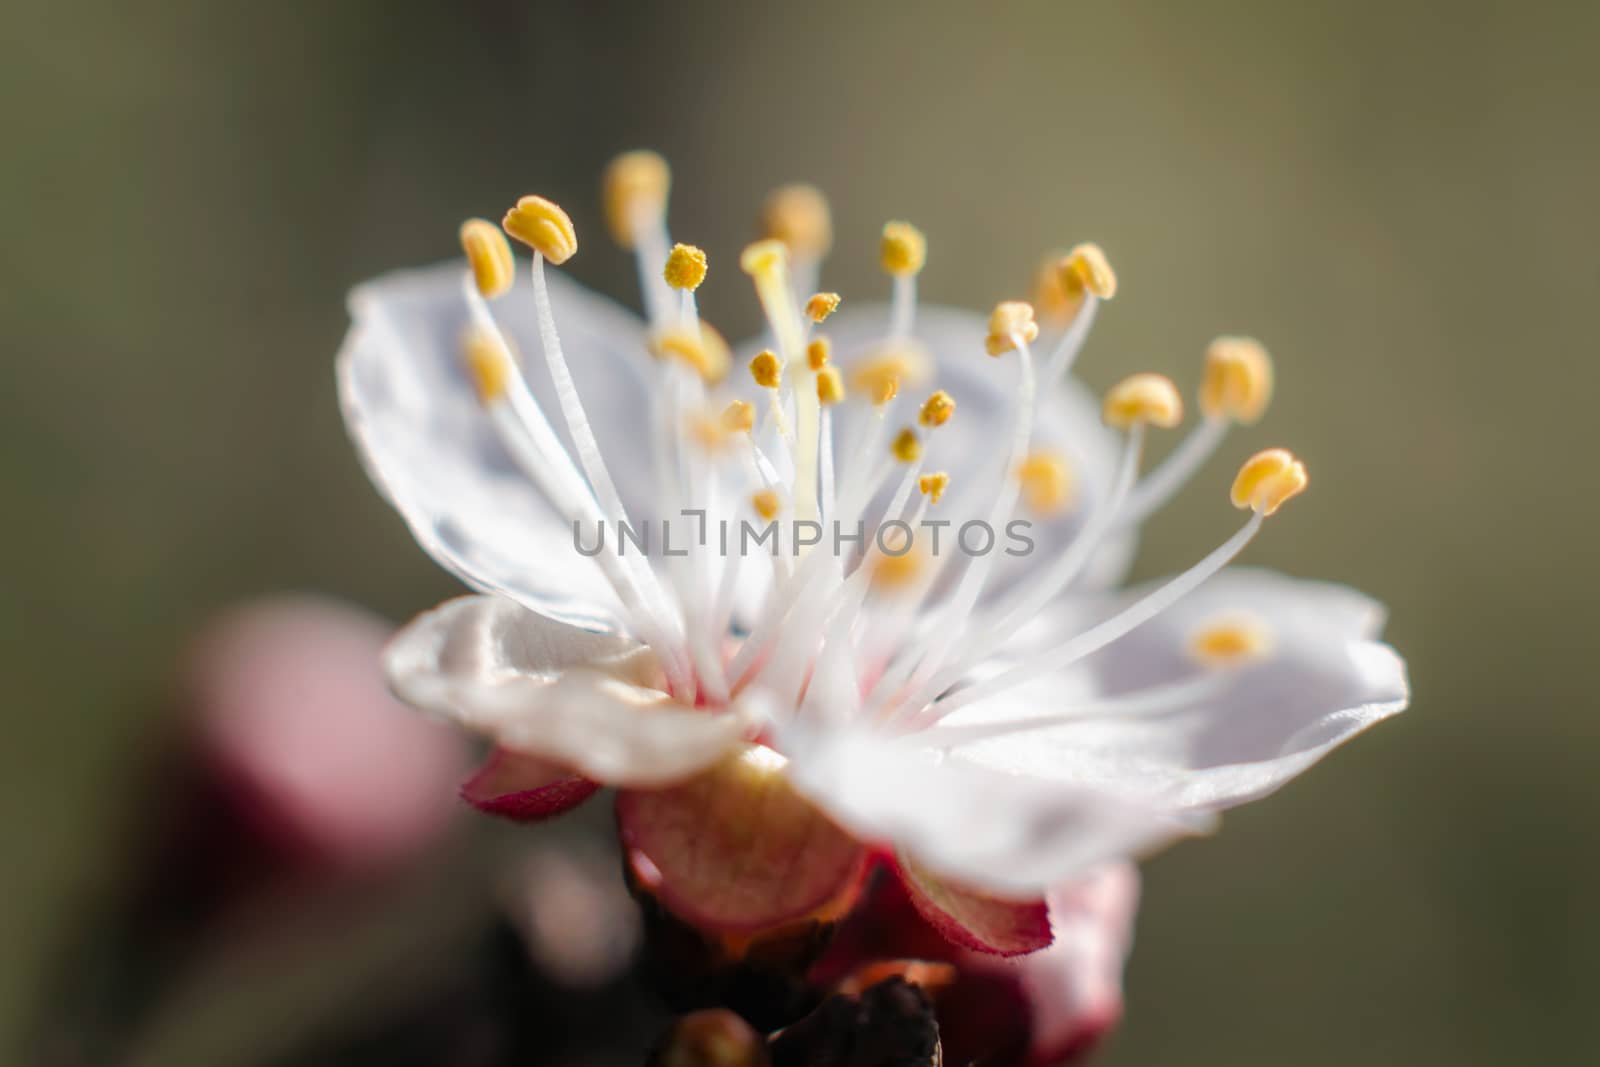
1398,197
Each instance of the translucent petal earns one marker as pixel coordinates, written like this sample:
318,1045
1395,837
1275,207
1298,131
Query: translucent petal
433,453
1006,834
1324,681
584,700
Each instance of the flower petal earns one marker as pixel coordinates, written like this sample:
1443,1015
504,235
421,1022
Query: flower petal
1323,681
434,454
525,788
736,849
463,652
1009,835
977,920
585,700
605,729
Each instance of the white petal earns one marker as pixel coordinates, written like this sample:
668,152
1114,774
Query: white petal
456,657
616,733
433,453
969,448
588,701
1323,682
1007,834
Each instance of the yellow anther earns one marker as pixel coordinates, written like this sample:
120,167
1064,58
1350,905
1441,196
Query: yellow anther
884,388
933,485
1051,296
1229,641
818,353
1047,484
686,267
830,386
1011,321
1267,479
907,447
798,216
489,255
706,430
767,369
761,258
905,362
739,417
821,305
1147,398
1086,269
1238,379
937,409
543,226
767,503
904,249
701,348
891,573
634,189
487,362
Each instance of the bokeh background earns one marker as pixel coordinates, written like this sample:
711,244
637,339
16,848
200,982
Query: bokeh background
1399,197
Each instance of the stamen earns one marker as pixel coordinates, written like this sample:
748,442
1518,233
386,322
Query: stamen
767,264
543,226
923,662
903,362
767,369
937,409
1097,637
1010,324
996,626
1047,485
489,363
686,267
885,389
767,504
1051,296
528,436
1230,640
700,347
907,448
933,485
1084,278
1238,380
1236,386
739,417
634,193
634,188
830,386
710,432
798,216
1086,270
540,222
821,305
891,573
818,352
904,251
1267,479
1143,398
493,268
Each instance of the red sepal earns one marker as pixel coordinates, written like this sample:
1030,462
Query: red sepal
525,788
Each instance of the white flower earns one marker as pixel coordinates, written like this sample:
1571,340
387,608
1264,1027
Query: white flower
1000,722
